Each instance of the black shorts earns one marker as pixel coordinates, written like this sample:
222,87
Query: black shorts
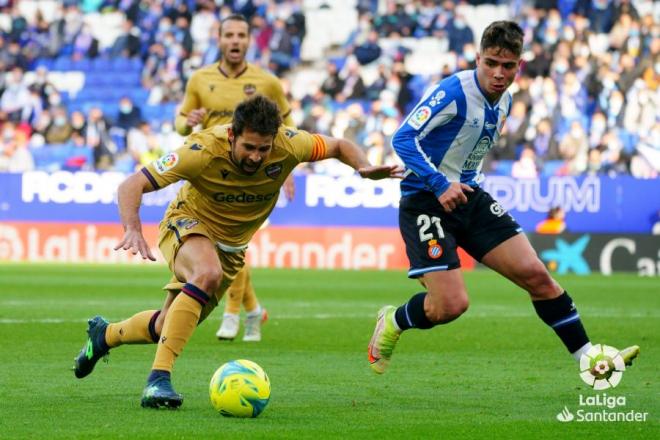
432,235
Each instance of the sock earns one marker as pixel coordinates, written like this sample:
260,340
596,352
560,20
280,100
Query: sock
256,312
412,315
560,314
155,374
250,302
583,350
138,329
179,325
235,292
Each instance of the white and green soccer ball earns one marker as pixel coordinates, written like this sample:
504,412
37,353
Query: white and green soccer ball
240,388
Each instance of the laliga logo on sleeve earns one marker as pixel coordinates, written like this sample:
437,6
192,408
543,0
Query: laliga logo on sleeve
602,367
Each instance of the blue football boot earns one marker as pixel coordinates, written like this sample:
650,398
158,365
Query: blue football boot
95,348
159,394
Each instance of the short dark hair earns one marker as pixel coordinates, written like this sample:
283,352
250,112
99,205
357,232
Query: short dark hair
258,114
235,17
503,34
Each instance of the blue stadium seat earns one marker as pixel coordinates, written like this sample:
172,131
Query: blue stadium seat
551,167
61,156
102,64
63,64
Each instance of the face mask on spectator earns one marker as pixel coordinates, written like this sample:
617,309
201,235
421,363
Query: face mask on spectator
460,24
561,68
469,56
125,108
60,121
55,100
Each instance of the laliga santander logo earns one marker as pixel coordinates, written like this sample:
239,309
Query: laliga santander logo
602,367
11,246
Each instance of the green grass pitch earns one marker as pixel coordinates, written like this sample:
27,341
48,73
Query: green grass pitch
497,372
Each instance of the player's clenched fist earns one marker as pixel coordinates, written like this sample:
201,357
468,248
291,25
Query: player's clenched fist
454,196
195,117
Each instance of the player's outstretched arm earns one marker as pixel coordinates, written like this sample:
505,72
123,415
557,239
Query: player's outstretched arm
129,198
353,156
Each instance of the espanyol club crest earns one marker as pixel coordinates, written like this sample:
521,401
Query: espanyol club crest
274,170
435,250
249,89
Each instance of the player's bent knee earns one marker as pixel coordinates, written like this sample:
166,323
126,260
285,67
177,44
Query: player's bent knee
538,282
207,278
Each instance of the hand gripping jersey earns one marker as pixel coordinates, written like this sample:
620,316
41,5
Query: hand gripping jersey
231,204
210,88
445,138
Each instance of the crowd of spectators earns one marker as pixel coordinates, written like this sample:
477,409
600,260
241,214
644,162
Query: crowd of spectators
586,100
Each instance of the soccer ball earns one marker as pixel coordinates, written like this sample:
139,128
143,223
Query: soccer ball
239,389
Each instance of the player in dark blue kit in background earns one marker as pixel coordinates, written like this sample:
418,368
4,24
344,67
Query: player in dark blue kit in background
443,142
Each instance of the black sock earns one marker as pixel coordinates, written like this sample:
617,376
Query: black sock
412,315
560,314
155,374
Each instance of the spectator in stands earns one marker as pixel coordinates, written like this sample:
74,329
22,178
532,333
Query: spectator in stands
353,84
59,131
127,44
333,84
78,123
16,98
573,149
539,65
459,33
514,132
379,84
281,48
97,137
554,223
368,51
142,144
129,116
525,167
84,44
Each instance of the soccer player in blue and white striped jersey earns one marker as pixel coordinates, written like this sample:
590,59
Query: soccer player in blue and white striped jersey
443,143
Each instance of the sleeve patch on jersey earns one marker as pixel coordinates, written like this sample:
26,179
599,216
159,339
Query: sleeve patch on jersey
166,162
417,119
437,98
319,148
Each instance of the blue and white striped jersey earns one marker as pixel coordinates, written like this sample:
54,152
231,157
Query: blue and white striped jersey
445,138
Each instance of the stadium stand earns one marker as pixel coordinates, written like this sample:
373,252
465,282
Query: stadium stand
588,92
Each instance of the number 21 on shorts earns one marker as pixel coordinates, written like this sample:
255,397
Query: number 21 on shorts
425,222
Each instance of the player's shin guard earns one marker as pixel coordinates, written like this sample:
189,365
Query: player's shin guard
179,325
412,315
138,329
560,314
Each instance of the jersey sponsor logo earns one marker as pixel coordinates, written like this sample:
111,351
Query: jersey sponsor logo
437,98
497,209
244,197
274,170
435,250
476,156
249,89
417,119
166,162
